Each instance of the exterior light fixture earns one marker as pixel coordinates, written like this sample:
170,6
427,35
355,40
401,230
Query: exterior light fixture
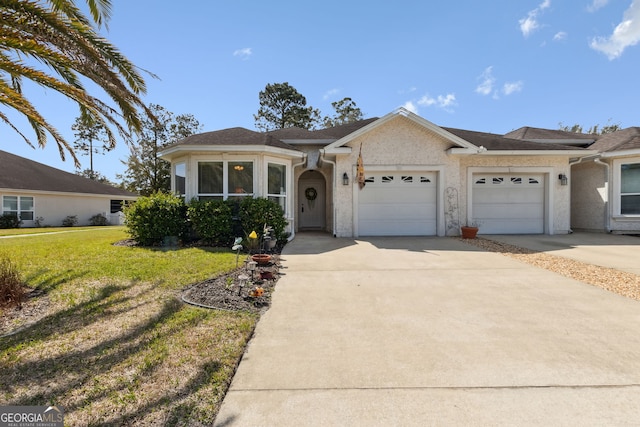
345,179
563,179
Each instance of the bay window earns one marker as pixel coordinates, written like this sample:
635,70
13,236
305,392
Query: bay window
180,179
277,184
220,180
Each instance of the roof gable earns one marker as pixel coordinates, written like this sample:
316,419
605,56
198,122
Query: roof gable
400,113
18,173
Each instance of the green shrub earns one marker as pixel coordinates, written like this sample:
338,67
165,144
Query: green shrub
98,219
212,221
254,214
11,286
153,218
9,220
70,221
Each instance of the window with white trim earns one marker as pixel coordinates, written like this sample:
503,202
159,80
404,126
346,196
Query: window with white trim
221,180
21,206
180,179
277,184
630,189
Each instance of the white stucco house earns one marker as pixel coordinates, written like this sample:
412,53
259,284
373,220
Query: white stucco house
420,179
41,195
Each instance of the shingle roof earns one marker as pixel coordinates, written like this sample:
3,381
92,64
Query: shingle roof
23,174
625,139
530,133
233,136
335,132
492,141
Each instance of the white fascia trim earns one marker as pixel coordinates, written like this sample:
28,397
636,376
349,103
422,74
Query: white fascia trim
65,193
537,153
308,141
623,153
458,150
400,168
229,149
337,150
409,115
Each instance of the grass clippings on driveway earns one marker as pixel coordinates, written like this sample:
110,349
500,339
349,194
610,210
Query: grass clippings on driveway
115,344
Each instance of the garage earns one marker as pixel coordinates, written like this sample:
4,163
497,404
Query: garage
398,204
509,203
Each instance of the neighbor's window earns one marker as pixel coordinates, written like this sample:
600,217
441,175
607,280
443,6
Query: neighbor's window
630,189
224,179
180,179
277,184
21,206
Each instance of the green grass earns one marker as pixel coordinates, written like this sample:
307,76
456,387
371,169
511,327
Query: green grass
116,345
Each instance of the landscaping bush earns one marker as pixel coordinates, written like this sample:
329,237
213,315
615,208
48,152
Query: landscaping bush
153,218
9,220
212,221
70,221
98,219
256,213
11,287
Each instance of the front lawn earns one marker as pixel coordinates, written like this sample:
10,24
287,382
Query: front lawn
115,344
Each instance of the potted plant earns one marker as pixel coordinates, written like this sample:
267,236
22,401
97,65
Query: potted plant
470,231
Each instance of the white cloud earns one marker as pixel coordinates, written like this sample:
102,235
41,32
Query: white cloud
486,85
530,23
512,87
561,35
626,34
244,53
597,4
330,93
441,101
409,105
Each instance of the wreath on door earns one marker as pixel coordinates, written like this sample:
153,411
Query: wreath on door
310,193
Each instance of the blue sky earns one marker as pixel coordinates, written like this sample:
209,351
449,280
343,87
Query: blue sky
488,66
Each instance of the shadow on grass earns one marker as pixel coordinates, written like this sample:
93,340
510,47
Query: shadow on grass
116,369
43,281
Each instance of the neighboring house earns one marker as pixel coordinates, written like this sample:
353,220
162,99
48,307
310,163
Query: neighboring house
420,179
42,195
606,186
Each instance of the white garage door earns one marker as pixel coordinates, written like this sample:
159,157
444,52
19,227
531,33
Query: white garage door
398,204
509,203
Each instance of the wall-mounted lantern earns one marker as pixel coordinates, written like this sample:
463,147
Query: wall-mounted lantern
345,179
563,179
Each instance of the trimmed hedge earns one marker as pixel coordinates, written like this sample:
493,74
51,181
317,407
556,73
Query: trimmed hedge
152,219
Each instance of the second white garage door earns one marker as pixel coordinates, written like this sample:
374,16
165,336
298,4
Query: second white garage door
398,204
509,203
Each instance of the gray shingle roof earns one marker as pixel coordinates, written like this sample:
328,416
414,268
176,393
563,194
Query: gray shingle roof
335,132
23,174
530,133
492,141
233,136
625,139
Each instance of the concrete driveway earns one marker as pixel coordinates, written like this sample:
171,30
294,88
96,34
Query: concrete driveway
432,331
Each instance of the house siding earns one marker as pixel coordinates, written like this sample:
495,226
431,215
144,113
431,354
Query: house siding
589,205
54,208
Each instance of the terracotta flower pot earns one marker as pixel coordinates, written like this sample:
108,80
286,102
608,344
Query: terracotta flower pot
261,259
469,232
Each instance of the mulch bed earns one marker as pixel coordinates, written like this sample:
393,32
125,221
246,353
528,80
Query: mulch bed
224,292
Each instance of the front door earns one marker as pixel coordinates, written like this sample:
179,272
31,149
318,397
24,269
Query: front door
311,204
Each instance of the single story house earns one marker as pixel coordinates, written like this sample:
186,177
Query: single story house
45,196
415,179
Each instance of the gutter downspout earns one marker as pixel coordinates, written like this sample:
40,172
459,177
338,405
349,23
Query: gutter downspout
333,190
295,204
607,214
